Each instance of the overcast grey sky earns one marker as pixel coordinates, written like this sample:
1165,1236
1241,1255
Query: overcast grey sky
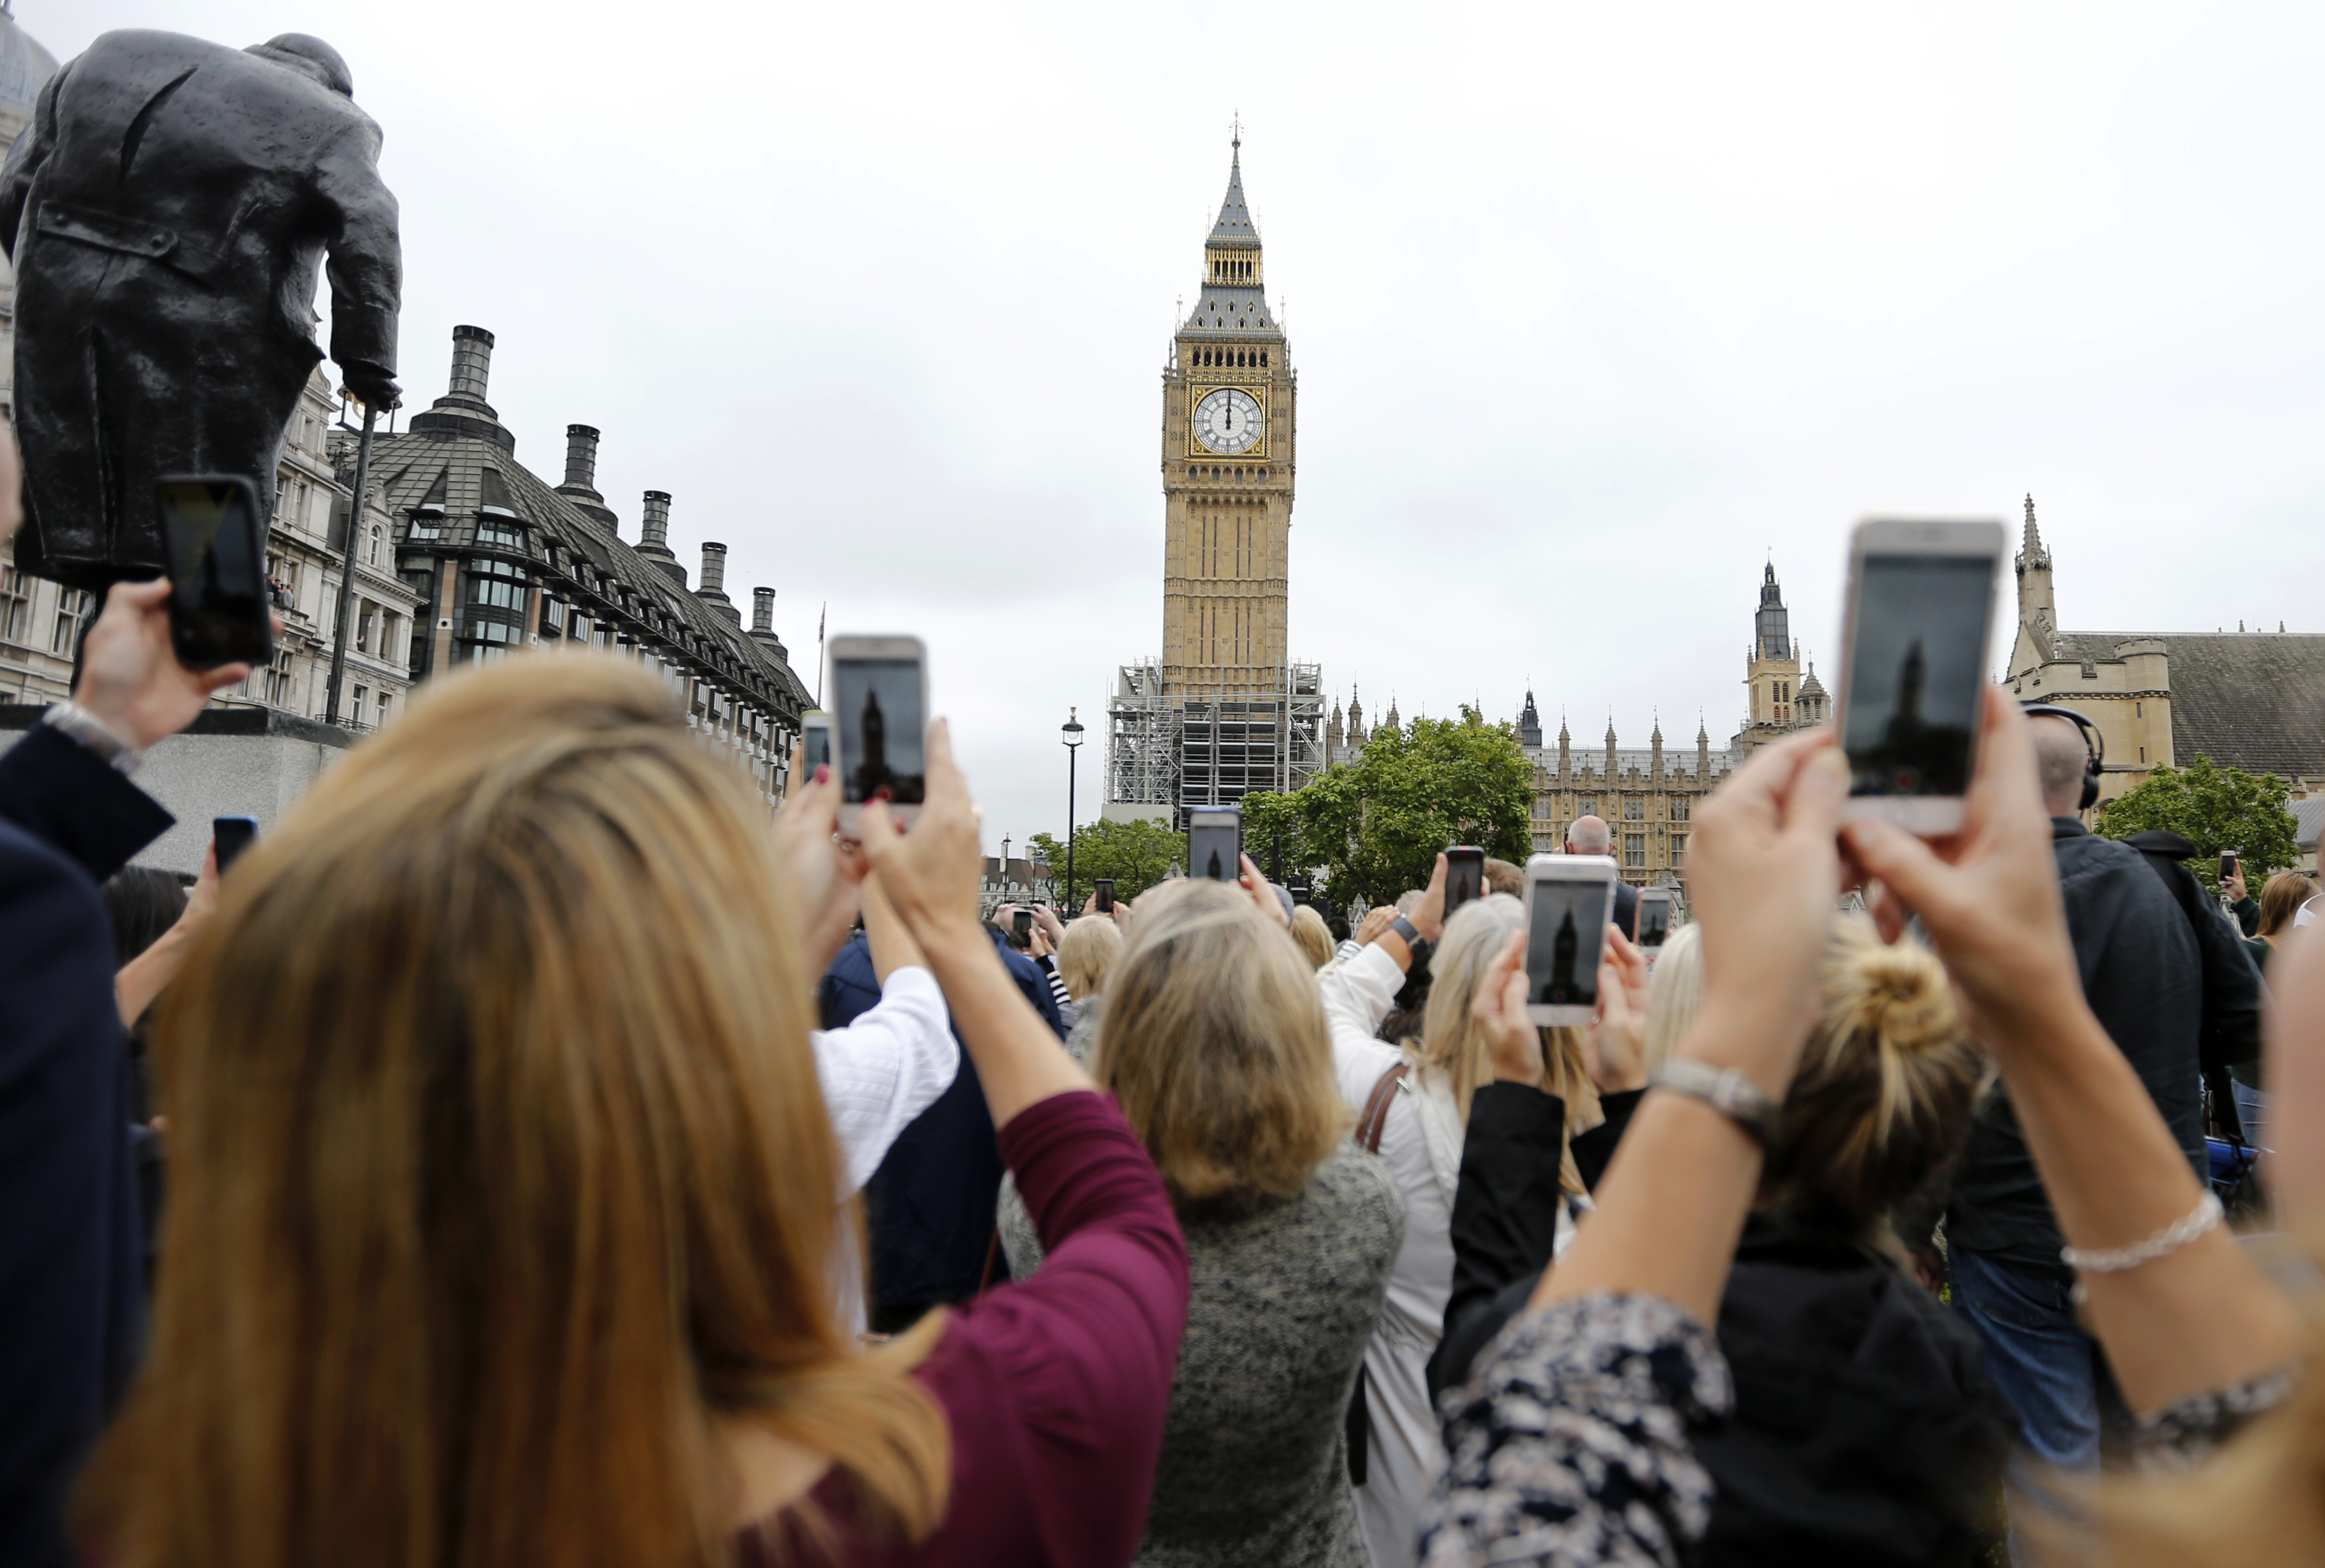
882,296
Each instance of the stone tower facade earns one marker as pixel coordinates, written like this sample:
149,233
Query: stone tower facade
1228,420
1781,699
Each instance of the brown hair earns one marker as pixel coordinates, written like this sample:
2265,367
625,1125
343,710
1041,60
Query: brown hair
1085,956
1885,1089
2281,898
1314,937
1215,1044
500,1182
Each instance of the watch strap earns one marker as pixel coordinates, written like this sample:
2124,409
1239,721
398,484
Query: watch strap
1411,935
1725,1091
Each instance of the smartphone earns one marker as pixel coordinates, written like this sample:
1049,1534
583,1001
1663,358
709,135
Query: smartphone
230,835
1569,900
1104,887
2227,864
1913,668
1465,876
1654,917
815,741
1021,934
1215,841
216,544
879,689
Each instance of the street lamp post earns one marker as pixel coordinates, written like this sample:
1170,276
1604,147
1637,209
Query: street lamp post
1070,735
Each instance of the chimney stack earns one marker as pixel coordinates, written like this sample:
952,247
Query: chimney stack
472,363
713,591
462,410
763,623
581,457
653,534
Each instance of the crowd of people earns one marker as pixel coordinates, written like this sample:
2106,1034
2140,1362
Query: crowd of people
529,1152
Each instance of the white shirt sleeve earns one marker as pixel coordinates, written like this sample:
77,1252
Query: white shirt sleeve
885,1069
1358,993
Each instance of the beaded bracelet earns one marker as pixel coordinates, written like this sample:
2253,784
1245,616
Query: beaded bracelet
2171,1238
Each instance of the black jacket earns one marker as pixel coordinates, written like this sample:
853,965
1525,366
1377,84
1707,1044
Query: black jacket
2232,990
1866,1430
1626,909
2144,977
929,1209
167,210
71,1307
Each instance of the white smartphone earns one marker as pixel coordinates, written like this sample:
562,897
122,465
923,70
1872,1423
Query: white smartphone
815,741
1215,841
1654,917
1913,668
879,689
1569,901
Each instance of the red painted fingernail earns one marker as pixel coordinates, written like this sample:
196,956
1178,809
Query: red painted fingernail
881,793
823,772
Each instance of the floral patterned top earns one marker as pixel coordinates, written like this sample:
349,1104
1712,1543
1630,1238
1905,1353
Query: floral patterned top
1570,1445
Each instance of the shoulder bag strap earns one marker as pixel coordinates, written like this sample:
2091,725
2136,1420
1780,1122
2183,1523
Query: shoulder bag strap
1377,1103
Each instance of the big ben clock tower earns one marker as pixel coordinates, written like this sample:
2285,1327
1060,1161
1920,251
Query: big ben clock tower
1229,409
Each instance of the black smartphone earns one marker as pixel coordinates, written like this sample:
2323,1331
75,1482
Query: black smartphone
1022,934
215,542
1654,917
2227,864
231,836
1215,841
1104,889
1918,619
1465,876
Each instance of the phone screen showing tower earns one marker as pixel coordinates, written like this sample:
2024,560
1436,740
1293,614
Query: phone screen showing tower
1563,936
1917,672
877,704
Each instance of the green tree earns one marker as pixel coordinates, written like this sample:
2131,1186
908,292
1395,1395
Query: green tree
2213,808
1136,854
1373,829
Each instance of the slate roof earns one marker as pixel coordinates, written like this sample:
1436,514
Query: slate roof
1234,225
448,464
1234,311
2254,700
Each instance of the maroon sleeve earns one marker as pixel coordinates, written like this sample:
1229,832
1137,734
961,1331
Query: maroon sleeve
1055,1387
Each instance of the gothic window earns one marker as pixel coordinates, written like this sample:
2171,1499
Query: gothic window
1590,809
1679,808
1635,808
1634,850
1678,848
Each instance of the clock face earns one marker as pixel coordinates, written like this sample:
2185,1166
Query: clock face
1228,421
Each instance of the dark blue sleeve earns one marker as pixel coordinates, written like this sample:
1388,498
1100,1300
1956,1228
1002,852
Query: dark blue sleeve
83,807
1032,983
70,1292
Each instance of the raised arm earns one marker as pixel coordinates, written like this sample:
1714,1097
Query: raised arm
2199,1315
930,876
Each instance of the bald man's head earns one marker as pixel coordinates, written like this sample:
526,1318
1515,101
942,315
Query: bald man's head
1588,835
2060,756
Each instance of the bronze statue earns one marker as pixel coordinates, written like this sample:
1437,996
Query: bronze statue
167,210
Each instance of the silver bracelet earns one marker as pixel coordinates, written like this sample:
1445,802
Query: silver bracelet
2171,1238
1725,1091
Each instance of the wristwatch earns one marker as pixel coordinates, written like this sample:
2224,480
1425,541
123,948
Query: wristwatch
77,723
1413,939
1725,1091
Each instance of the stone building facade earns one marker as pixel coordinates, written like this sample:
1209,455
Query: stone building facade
499,561
2254,700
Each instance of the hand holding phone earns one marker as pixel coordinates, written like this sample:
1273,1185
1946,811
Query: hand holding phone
879,708
1569,900
1021,934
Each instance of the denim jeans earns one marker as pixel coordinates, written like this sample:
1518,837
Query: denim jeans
2045,1365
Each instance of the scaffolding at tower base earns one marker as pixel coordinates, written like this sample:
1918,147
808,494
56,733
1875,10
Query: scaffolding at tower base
1167,751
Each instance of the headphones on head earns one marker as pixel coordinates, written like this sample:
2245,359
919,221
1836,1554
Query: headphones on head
2094,743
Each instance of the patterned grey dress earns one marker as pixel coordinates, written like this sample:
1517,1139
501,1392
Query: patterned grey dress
1569,1444
1254,1466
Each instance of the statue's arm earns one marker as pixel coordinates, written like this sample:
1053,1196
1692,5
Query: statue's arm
365,265
25,161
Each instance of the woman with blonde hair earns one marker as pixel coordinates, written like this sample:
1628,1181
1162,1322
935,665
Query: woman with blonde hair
1866,1429
1444,1069
1214,1042
1314,936
504,1199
